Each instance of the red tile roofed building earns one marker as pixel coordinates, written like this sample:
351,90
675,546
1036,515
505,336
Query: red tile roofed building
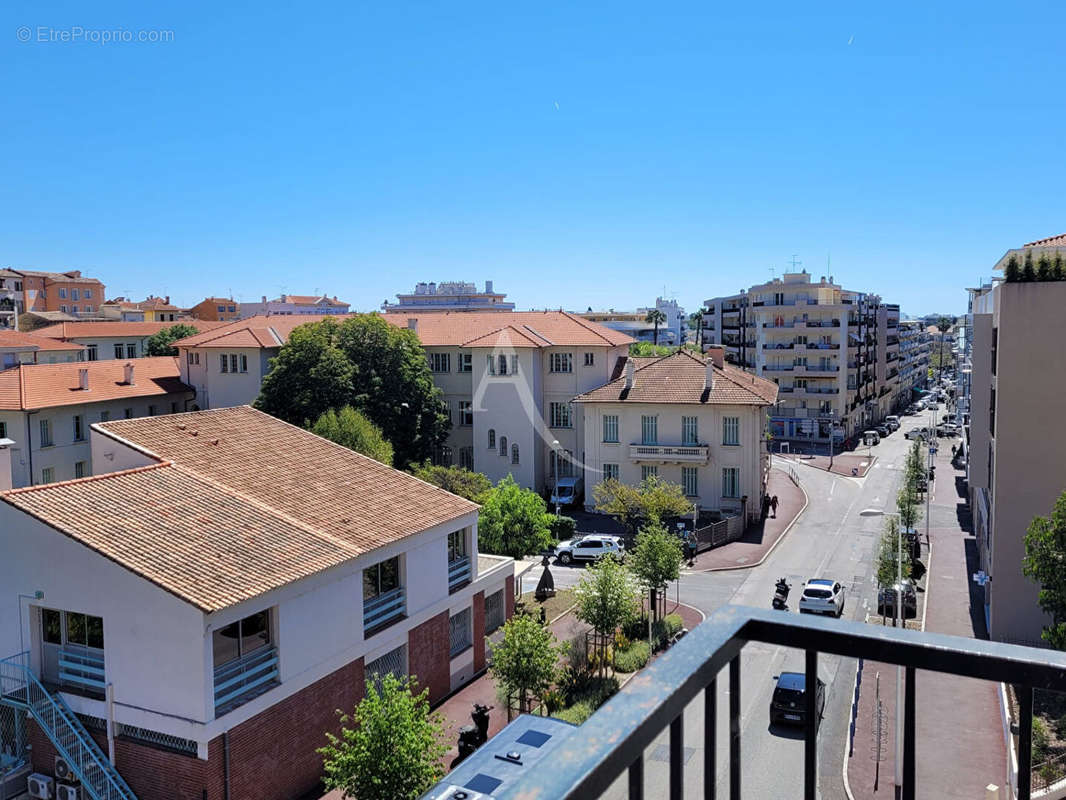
295,304
216,309
233,614
29,348
47,410
107,339
699,423
69,291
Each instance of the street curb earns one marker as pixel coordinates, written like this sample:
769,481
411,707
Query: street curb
854,719
766,555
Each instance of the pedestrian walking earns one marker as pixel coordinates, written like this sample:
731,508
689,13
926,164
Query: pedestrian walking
773,505
765,506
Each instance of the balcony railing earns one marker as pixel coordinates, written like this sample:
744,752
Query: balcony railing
779,367
818,367
384,609
823,323
613,741
779,346
822,346
698,453
779,324
238,681
458,573
82,668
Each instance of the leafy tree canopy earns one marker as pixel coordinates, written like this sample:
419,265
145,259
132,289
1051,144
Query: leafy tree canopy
647,349
457,480
512,521
656,559
352,429
606,598
525,659
1045,563
391,748
161,343
653,501
891,552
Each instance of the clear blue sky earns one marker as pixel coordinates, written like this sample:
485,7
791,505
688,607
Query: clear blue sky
576,155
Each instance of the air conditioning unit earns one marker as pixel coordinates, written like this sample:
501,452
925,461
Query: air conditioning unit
40,786
62,771
66,791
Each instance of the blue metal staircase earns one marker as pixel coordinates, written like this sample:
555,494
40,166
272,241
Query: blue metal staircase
20,688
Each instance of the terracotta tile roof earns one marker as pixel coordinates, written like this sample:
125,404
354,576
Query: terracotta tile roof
1051,241
679,378
463,328
310,300
259,331
638,362
19,339
509,336
187,534
328,486
89,330
32,386
57,277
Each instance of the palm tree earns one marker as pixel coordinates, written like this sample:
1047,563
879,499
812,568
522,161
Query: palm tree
696,318
943,325
656,318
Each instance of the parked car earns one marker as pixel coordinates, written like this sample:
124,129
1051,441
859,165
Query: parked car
822,596
567,492
917,433
883,431
788,703
871,437
946,430
892,422
590,548
886,599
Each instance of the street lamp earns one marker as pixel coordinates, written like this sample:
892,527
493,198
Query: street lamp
555,461
876,512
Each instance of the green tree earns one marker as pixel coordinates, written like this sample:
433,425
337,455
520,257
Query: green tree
889,555
649,350
914,468
653,501
1012,272
1045,563
161,343
655,317
606,598
1058,267
695,320
655,560
524,663
908,508
464,482
512,521
392,384
1028,270
309,376
352,429
1044,269
391,748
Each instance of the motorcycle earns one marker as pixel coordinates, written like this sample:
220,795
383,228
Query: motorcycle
781,590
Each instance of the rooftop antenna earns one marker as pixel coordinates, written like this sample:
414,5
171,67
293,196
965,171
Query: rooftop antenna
794,262
773,274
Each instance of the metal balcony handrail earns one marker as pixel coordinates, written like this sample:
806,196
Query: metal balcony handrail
614,738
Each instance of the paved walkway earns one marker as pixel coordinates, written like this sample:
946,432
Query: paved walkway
959,744
759,539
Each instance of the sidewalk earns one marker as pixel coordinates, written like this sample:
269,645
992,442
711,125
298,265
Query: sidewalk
959,744
760,538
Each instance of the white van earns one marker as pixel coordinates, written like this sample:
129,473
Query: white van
892,421
567,491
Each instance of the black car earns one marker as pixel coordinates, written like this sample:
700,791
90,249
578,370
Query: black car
882,430
788,704
886,599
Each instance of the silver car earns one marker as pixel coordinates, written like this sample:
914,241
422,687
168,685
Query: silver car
822,596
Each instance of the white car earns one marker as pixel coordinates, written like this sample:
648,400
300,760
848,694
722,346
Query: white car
590,548
822,596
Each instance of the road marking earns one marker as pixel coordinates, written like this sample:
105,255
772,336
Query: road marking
832,486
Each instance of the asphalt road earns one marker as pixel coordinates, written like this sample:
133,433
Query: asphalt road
829,540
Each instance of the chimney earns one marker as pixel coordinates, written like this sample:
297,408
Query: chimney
129,374
166,300
83,379
488,287
5,465
264,299
630,369
412,324
708,378
717,354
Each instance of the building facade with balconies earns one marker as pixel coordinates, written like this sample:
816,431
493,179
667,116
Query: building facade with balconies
833,353
698,423
205,607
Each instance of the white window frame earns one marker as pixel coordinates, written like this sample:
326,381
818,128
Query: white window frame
731,431
590,359
610,471
440,363
690,431
690,481
561,415
561,363
610,428
466,413
731,483
649,429
648,471
466,362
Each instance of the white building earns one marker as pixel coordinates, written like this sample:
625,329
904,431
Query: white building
47,410
29,348
106,339
207,605
699,423
298,304
448,296
635,324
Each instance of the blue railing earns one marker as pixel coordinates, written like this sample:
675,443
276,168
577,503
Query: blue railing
384,609
238,681
458,573
19,687
81,667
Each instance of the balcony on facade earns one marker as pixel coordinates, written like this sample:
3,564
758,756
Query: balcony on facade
779,346
817,368
245,678
459,573
822,346
680,454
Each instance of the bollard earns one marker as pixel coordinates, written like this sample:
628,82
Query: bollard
991,792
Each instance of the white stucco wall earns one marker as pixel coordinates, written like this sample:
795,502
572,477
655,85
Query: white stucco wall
217,389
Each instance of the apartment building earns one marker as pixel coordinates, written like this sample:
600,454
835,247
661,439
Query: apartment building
915,346
29,348
833,353
1015,444
216,309
448,296
206,606
699,423
69,292
10,299
46,411
294,304
106,339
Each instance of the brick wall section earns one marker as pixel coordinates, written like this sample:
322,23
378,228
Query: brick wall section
478,605
272,755
427,656
508,597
